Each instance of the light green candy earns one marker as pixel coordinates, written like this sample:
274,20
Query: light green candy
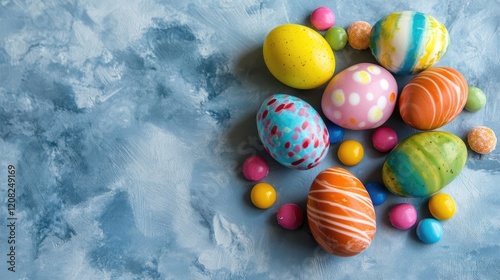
476,99
336,38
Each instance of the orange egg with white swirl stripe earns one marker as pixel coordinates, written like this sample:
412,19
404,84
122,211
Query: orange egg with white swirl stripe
340,213
433,98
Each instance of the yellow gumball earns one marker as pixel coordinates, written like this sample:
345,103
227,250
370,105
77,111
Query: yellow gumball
350,152
298,56
442,206
263,195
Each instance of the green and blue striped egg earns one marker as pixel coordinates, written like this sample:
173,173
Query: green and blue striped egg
424,163
408,42
292,131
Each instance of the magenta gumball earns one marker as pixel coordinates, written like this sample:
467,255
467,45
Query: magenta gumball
322,18
403,216
290,216
255,168
384,139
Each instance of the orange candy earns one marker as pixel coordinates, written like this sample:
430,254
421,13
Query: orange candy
358,35
482,140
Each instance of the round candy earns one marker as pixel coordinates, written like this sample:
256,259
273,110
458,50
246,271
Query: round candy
476,99
482,140
442,206
377,191
336,132
336,38
290,216
403,216
429,231
358,35
255,168
263,195
322,18
384,139
350,152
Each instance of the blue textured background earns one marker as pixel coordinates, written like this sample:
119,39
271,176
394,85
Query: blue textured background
128,122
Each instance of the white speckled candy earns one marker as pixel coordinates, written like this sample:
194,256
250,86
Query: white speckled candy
362,96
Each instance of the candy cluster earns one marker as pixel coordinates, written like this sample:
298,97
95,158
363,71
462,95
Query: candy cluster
340,209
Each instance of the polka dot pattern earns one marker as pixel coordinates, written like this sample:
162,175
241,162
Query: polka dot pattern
354,99
362,77
338,98
375,70
384,84
361,97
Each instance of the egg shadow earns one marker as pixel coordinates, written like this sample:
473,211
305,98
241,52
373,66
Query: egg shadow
244,142
300,239
252,71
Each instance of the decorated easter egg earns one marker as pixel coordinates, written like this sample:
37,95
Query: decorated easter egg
362,96
408,42
424,163
292,131
433,98
298,56
340,213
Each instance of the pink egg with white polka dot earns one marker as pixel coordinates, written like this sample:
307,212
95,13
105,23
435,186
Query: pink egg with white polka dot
362,96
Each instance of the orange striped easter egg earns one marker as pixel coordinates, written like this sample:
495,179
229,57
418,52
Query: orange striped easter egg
340,213
433,98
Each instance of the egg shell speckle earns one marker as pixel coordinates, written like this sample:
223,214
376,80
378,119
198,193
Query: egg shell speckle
360,97
424,163
292,131
298,56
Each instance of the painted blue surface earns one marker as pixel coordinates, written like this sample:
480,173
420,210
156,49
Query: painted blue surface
128,121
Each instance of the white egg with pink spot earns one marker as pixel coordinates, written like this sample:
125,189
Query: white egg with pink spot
360,97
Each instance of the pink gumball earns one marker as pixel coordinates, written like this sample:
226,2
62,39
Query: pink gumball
255,168
403,216
290,216
384,139
322,18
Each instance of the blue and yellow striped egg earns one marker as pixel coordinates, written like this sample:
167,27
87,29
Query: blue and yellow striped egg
292,131
424,163
408,42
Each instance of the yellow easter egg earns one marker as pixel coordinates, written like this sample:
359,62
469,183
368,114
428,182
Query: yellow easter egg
298,56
